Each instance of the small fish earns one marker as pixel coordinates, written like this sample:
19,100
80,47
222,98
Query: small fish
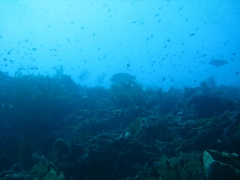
192,34
9,52
234,155
218,62
218,92
180,113
224,153
6,106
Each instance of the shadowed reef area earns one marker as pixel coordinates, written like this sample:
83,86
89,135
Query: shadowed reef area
52,128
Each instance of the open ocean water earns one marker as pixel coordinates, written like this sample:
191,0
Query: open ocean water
119,90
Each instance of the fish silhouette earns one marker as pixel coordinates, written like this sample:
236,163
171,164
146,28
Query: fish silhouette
218,62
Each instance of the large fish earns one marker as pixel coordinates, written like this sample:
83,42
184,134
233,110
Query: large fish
122,77
218,62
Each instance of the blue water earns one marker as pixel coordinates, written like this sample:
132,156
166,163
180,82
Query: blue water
162,43
119,90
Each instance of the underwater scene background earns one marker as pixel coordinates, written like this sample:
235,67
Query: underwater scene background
119,90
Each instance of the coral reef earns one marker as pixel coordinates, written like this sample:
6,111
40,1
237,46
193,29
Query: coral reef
58,129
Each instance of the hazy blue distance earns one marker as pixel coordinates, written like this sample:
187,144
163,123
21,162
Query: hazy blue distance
148,39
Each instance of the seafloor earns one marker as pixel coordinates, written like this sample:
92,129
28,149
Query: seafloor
52,128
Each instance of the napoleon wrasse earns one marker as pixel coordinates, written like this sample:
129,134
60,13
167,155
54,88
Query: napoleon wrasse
122,77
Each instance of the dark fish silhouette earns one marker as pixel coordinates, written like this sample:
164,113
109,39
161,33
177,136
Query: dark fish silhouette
9,52
5,106
122,77
218,62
